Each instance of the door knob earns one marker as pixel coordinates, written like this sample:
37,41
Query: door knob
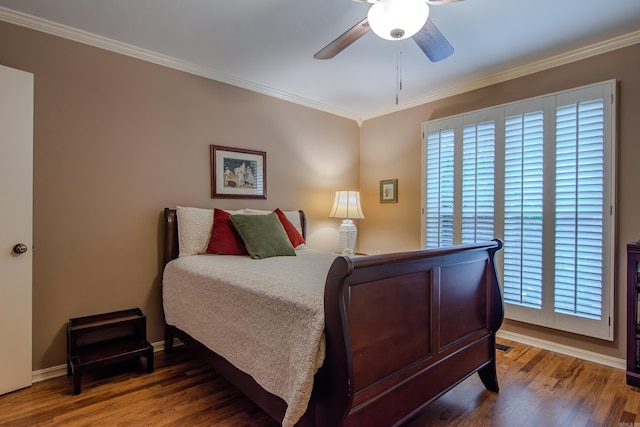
20,248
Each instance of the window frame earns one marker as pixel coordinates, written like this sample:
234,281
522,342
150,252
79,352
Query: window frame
602,328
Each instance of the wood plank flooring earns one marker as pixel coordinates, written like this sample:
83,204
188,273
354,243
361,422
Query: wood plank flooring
537,388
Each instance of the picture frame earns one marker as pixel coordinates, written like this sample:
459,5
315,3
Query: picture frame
389,191
238,173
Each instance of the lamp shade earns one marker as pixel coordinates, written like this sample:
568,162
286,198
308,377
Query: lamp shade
398,19
347,205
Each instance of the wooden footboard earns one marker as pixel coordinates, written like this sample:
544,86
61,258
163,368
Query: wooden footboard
404,328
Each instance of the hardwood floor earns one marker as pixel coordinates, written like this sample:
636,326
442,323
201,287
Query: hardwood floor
537,388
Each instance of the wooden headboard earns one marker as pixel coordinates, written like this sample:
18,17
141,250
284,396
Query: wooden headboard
171,247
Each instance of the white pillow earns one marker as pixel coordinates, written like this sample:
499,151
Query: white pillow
236,212
292,216
256,212
194,229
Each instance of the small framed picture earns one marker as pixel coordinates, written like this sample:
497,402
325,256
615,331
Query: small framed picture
389,191
238,173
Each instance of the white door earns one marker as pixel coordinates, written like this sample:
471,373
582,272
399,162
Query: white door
16,218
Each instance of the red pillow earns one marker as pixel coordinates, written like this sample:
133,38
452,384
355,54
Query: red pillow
294,235
224,237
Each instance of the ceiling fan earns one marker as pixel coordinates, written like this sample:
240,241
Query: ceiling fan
396,20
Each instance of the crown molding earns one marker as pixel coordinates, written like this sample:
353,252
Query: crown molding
105,43
534,67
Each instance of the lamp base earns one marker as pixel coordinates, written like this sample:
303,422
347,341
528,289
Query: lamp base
348,234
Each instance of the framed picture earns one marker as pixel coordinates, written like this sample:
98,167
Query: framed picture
237,173
389,191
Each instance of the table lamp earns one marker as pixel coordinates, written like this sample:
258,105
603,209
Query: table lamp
347,205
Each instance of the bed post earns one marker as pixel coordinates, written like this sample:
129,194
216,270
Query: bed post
171,235
335,385
168,339
496,316
488,374
170,252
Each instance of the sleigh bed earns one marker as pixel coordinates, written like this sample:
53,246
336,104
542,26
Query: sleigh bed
396,330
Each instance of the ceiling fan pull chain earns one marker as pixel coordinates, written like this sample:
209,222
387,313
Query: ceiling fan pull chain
397,75
398,69
400,76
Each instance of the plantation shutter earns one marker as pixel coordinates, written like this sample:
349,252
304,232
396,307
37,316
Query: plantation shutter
579,209
538,174
478,182
439,189
523,209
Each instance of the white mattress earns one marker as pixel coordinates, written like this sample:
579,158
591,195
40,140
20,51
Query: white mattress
264,316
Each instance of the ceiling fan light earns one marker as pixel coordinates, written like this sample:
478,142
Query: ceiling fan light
398,19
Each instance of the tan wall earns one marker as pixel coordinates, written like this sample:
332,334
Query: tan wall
116,140
390,147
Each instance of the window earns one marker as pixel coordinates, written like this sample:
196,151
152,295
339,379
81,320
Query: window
523,209
538,174
439,206
478,181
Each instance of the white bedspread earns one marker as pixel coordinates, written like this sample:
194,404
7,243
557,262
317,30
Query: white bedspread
264,316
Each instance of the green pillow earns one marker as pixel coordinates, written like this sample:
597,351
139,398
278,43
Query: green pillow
263,235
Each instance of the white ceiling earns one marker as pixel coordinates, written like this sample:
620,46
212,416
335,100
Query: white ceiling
268,45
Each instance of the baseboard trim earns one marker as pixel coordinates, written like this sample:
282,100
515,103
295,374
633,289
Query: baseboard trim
590,356
61,370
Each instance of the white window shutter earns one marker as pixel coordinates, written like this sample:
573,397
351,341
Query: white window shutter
523,209
478,182
579,209
439,189
539,174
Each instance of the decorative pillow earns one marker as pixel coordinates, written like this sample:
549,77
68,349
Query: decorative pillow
194,229
236,212
256,212
263,235
294,235
224,238
294,219
292,216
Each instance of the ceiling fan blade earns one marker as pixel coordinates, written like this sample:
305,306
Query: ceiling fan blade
433,43
343,41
